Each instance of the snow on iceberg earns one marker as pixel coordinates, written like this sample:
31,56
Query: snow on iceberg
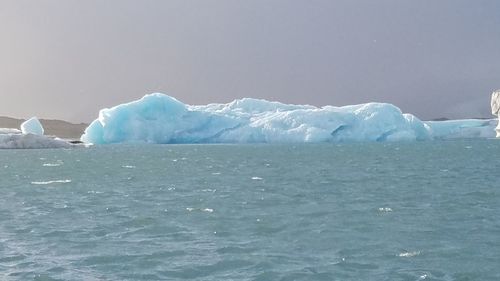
158,118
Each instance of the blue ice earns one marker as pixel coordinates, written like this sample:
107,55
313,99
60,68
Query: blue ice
158,118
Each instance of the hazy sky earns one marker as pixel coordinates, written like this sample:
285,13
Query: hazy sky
69,58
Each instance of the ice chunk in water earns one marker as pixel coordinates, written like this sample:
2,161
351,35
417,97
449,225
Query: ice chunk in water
32,126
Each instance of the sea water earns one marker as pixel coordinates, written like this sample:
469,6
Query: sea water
365,211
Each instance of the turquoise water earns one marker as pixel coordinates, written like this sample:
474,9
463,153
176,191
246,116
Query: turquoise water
400,211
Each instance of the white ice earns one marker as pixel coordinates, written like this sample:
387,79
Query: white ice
30,136
159,118
30,141
495,108
9,131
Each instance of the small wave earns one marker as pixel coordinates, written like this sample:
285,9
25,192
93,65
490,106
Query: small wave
49,182
52,164
94,192
409,254
128,167
207,210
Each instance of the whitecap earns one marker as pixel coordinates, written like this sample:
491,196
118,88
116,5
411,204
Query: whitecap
208,210
52,164
128,167
49,182
409,254
94,192
385,209
257,178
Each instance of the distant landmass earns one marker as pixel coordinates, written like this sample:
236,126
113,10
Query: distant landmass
57,128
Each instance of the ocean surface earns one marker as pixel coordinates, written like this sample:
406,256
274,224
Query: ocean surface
366,211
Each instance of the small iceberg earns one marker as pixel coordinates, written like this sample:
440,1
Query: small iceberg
32,126
495,108
30,135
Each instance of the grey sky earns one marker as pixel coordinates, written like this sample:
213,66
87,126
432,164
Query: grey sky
69,58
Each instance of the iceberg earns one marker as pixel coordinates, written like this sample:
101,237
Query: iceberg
462,129
24,141
32,126
495,108
9,131
159,118
30,136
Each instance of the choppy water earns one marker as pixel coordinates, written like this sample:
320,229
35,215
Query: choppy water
402,211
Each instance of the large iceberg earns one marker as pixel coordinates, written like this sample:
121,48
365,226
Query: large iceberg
158,118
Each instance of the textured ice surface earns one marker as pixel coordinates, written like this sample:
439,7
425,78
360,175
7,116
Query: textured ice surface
159,118
30,141
459,129
9,131
32,126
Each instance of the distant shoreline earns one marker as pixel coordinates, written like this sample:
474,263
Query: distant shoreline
59,128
